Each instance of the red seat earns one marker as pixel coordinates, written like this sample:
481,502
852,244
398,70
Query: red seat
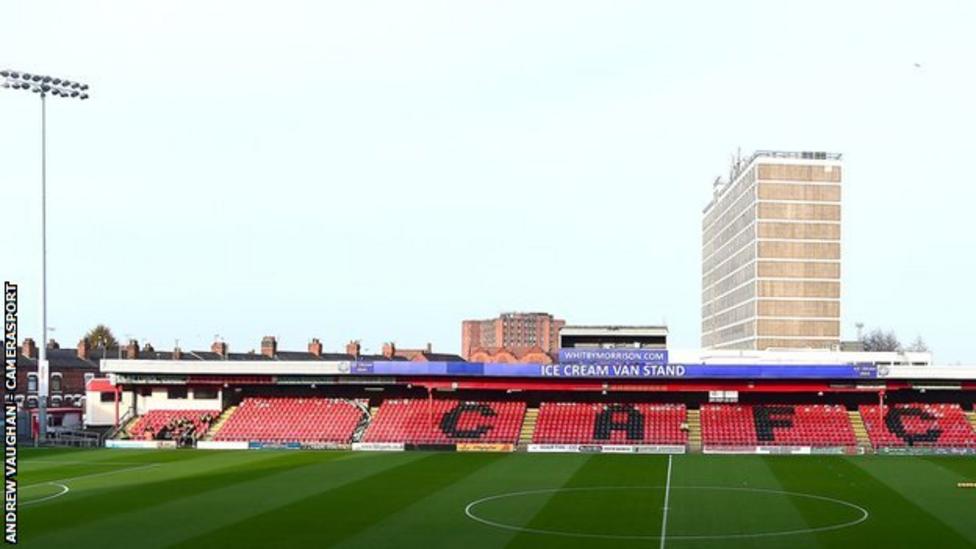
782,425
420,421
155,420
290,419
576,423
928,425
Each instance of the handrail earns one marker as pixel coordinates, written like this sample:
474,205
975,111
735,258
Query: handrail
114,431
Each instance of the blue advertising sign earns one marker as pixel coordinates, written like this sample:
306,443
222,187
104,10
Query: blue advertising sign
636,371
619,371
613,356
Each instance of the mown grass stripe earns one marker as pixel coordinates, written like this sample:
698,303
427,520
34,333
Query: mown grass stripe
964,467
314,499
441,513
815,476
328,517
625,511
99,499
918,490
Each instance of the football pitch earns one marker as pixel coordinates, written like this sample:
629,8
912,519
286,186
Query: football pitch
187,498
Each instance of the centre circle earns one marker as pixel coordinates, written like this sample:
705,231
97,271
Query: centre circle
637,512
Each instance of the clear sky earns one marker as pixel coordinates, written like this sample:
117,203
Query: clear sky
382,170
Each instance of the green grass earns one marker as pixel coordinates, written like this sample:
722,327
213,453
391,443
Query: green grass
183,498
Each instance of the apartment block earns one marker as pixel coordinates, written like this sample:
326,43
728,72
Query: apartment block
771,253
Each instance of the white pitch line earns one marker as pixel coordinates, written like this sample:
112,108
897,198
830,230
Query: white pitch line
667,496
60,480
64,490
77,462
468,511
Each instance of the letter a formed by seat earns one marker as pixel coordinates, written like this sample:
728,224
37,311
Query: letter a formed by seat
606,422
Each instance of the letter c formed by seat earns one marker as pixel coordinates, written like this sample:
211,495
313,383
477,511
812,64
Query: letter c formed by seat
895,423
449,422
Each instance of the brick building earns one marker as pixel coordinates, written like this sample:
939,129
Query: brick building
511,331
69,371
426,354
529,355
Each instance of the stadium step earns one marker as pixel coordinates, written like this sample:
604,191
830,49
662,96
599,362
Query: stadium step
860,431
972,419
123,431
694,431
220,422
528,425
364,421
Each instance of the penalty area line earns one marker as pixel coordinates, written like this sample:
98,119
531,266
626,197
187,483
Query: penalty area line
103,473
60,483
667,497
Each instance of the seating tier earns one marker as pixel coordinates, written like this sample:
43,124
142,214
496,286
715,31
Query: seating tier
420,421
602,423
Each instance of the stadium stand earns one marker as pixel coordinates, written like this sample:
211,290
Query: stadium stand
936,425
323,420
419,421
596,423
172,423
776,425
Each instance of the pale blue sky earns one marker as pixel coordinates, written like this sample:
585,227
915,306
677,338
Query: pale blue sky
383,170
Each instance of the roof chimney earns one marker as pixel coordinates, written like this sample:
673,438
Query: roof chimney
28,348
430,347
269,346
315,347
148,348
177,353
51,344
132,350
220,348
389,350
352,348
84,348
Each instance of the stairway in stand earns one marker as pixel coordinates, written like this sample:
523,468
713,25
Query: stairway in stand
528,425
373,411
220,422
694,431
123,430
860,432
972,419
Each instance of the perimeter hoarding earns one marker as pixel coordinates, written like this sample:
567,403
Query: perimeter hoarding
618,371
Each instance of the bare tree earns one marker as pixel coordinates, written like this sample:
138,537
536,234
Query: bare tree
878,340
918,345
